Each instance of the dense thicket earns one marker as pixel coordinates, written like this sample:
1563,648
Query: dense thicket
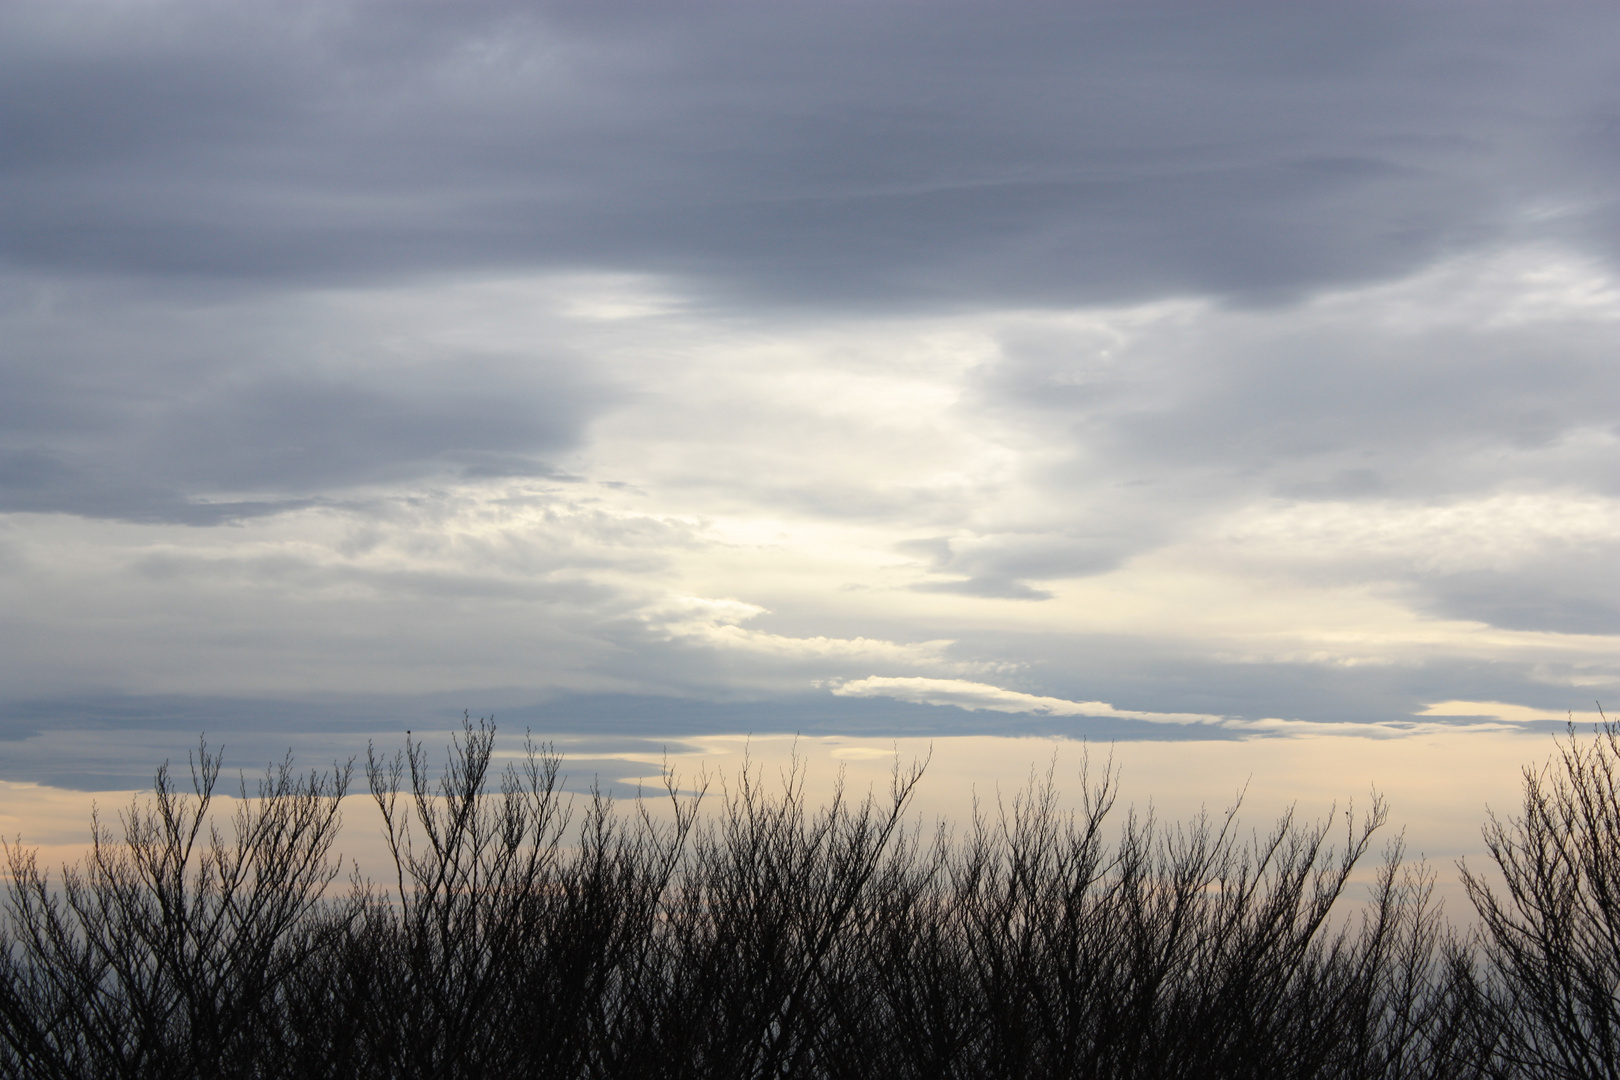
749,934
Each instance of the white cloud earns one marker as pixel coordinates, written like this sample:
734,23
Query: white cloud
982,696
975,696
792,498
1508,713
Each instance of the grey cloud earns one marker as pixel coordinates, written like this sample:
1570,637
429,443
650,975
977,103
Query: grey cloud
1328,409
162,407
39,480
828,154
128,735
999,565
1579,596
46,739
483,465
306,433
990,587
1156,428
230,157
1434,414
1170,676
396,586
1339,484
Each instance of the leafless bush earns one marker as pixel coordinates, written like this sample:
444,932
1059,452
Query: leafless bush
501,951
1552,935
526,932
169,951
1175,952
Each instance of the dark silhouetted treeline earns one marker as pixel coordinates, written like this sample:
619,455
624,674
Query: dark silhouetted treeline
526,933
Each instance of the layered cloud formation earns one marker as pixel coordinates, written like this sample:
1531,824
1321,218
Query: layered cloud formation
1219,367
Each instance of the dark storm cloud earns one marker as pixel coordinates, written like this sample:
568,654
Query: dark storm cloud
843,153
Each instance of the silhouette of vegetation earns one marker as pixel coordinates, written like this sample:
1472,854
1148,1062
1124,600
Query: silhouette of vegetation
747,933
1552,935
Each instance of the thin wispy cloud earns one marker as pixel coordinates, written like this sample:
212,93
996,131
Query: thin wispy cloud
982,696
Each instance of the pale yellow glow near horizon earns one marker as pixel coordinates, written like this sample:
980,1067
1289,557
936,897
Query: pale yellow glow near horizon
1512,713
1438,785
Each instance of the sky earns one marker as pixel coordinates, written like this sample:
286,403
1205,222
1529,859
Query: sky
1162,374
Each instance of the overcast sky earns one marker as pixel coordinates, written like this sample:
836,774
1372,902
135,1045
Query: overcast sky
636,370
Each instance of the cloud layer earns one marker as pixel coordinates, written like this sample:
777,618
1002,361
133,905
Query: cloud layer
833,154
993,364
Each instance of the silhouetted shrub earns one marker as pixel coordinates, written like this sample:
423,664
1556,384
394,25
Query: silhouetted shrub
525,932
1552,936
176,950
